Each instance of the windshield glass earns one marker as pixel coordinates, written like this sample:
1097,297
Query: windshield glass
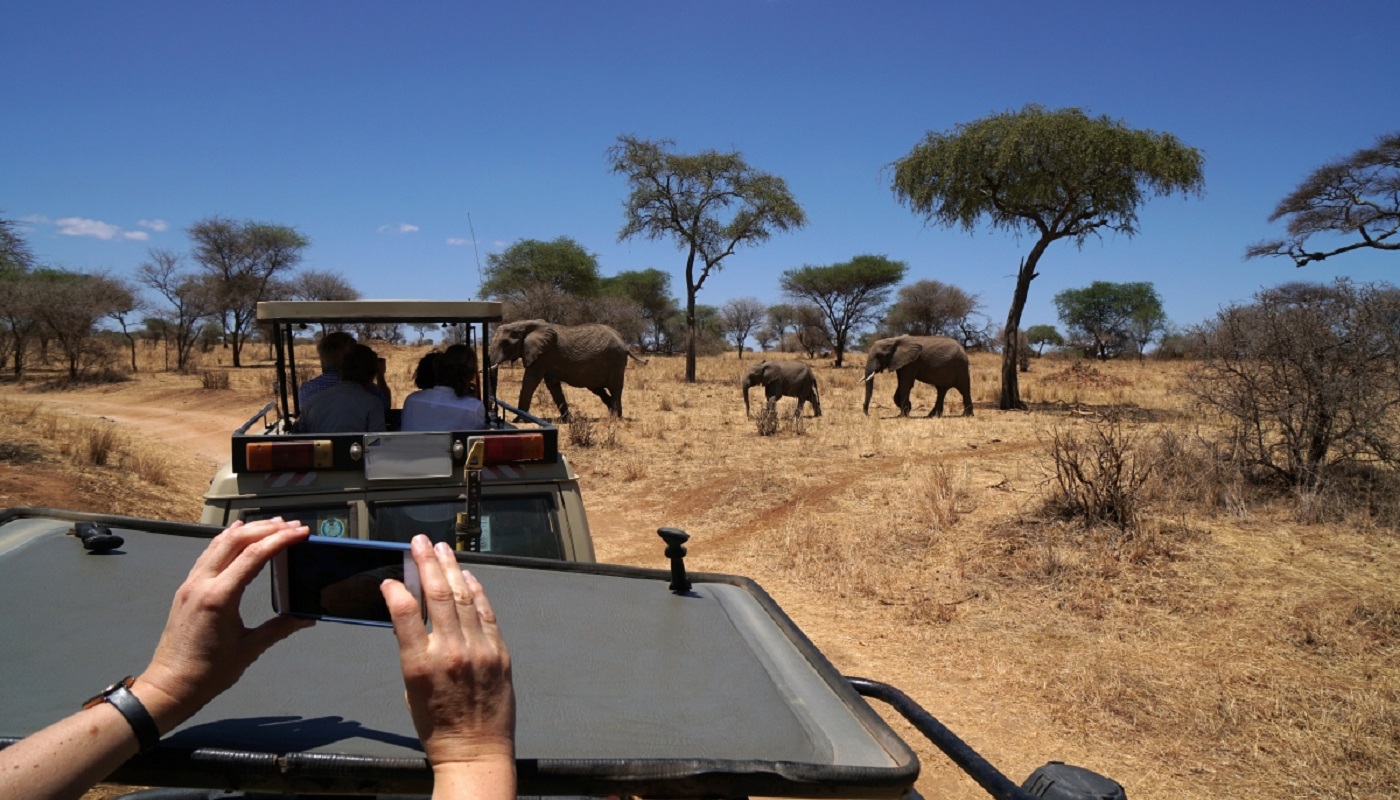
524,525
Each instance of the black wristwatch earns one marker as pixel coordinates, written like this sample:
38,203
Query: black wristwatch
120,696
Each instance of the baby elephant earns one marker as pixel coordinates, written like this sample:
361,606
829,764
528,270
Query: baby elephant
783,379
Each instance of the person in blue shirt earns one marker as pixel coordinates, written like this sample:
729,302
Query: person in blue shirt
351,405
452,404
332,350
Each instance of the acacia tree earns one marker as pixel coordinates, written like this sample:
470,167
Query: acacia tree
244,259
68,306
1106,316
650,290
739,317
849,294
16,258
1041,335
1057,174
711,203
561,263
317,284
782,316
1357,196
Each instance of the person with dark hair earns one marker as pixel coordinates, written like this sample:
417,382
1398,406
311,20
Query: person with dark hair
457,676
351,405
423,375
332,350
452,403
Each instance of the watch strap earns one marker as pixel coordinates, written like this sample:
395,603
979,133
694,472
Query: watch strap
120,696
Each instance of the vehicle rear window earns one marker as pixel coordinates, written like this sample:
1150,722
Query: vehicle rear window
511,526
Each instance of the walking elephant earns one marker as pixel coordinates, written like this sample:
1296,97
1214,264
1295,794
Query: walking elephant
590,356
935,360
783,379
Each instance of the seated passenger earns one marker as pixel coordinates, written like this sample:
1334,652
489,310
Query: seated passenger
452,404
332,350
423,374
351,405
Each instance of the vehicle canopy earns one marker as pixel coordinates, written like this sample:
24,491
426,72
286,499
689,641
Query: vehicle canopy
286,317
629,681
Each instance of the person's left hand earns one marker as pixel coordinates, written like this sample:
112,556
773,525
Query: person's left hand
205,646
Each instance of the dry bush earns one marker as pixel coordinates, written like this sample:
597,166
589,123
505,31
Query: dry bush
767,422
1096,474
941,494
216,379
151,467
97,444
590,432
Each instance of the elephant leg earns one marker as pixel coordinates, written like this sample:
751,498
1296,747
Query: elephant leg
528,384
966,393
556,391
816,404
938,404
901,394
604,396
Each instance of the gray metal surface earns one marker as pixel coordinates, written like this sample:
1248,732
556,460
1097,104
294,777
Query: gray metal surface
610,668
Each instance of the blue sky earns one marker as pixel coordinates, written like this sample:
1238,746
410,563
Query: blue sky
380,129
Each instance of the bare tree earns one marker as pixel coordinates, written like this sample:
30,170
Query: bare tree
739,317
315,284
1306,375
190,299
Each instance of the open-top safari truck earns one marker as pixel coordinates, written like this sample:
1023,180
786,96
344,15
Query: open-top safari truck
393,484
629,681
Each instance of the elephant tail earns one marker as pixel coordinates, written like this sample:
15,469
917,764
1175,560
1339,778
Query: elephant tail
637,358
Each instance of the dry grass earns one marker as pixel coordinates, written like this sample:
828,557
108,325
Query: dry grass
1233,641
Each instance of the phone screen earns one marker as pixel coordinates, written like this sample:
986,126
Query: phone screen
338,579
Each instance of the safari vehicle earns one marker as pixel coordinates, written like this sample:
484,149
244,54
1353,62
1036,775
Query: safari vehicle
391,485
628,681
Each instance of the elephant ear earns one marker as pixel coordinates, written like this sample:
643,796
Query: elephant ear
539,342
905,354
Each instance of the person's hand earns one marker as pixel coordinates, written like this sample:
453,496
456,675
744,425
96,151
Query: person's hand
205,646
457,678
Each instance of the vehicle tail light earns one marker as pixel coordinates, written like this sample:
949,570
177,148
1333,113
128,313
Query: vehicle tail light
283,456
518,447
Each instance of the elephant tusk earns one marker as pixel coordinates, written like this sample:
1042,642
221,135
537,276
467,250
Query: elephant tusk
869,378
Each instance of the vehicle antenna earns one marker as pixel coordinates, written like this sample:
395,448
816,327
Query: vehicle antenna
472,228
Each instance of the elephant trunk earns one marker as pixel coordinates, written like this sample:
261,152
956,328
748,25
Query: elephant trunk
869,389
746,385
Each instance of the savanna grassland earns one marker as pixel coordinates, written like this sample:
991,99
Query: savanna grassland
1224,640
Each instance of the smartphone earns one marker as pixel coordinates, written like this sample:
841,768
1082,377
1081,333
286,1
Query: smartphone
338,579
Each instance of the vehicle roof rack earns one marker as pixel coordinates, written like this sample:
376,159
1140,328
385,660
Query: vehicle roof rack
348,311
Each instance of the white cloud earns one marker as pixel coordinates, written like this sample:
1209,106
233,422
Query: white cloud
458,242
37,219
136,236
157,225
402,227
77,226
498,244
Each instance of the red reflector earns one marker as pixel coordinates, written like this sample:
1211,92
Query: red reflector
282,456
520,447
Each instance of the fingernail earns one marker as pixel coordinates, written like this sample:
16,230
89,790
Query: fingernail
442,548
419,541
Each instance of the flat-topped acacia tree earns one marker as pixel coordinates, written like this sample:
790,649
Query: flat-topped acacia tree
1058,174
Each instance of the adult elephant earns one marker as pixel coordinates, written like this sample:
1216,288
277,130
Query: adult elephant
935,360
590,356
783,379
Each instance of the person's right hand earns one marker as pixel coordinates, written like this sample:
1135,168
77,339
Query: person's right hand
457,678
205,646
